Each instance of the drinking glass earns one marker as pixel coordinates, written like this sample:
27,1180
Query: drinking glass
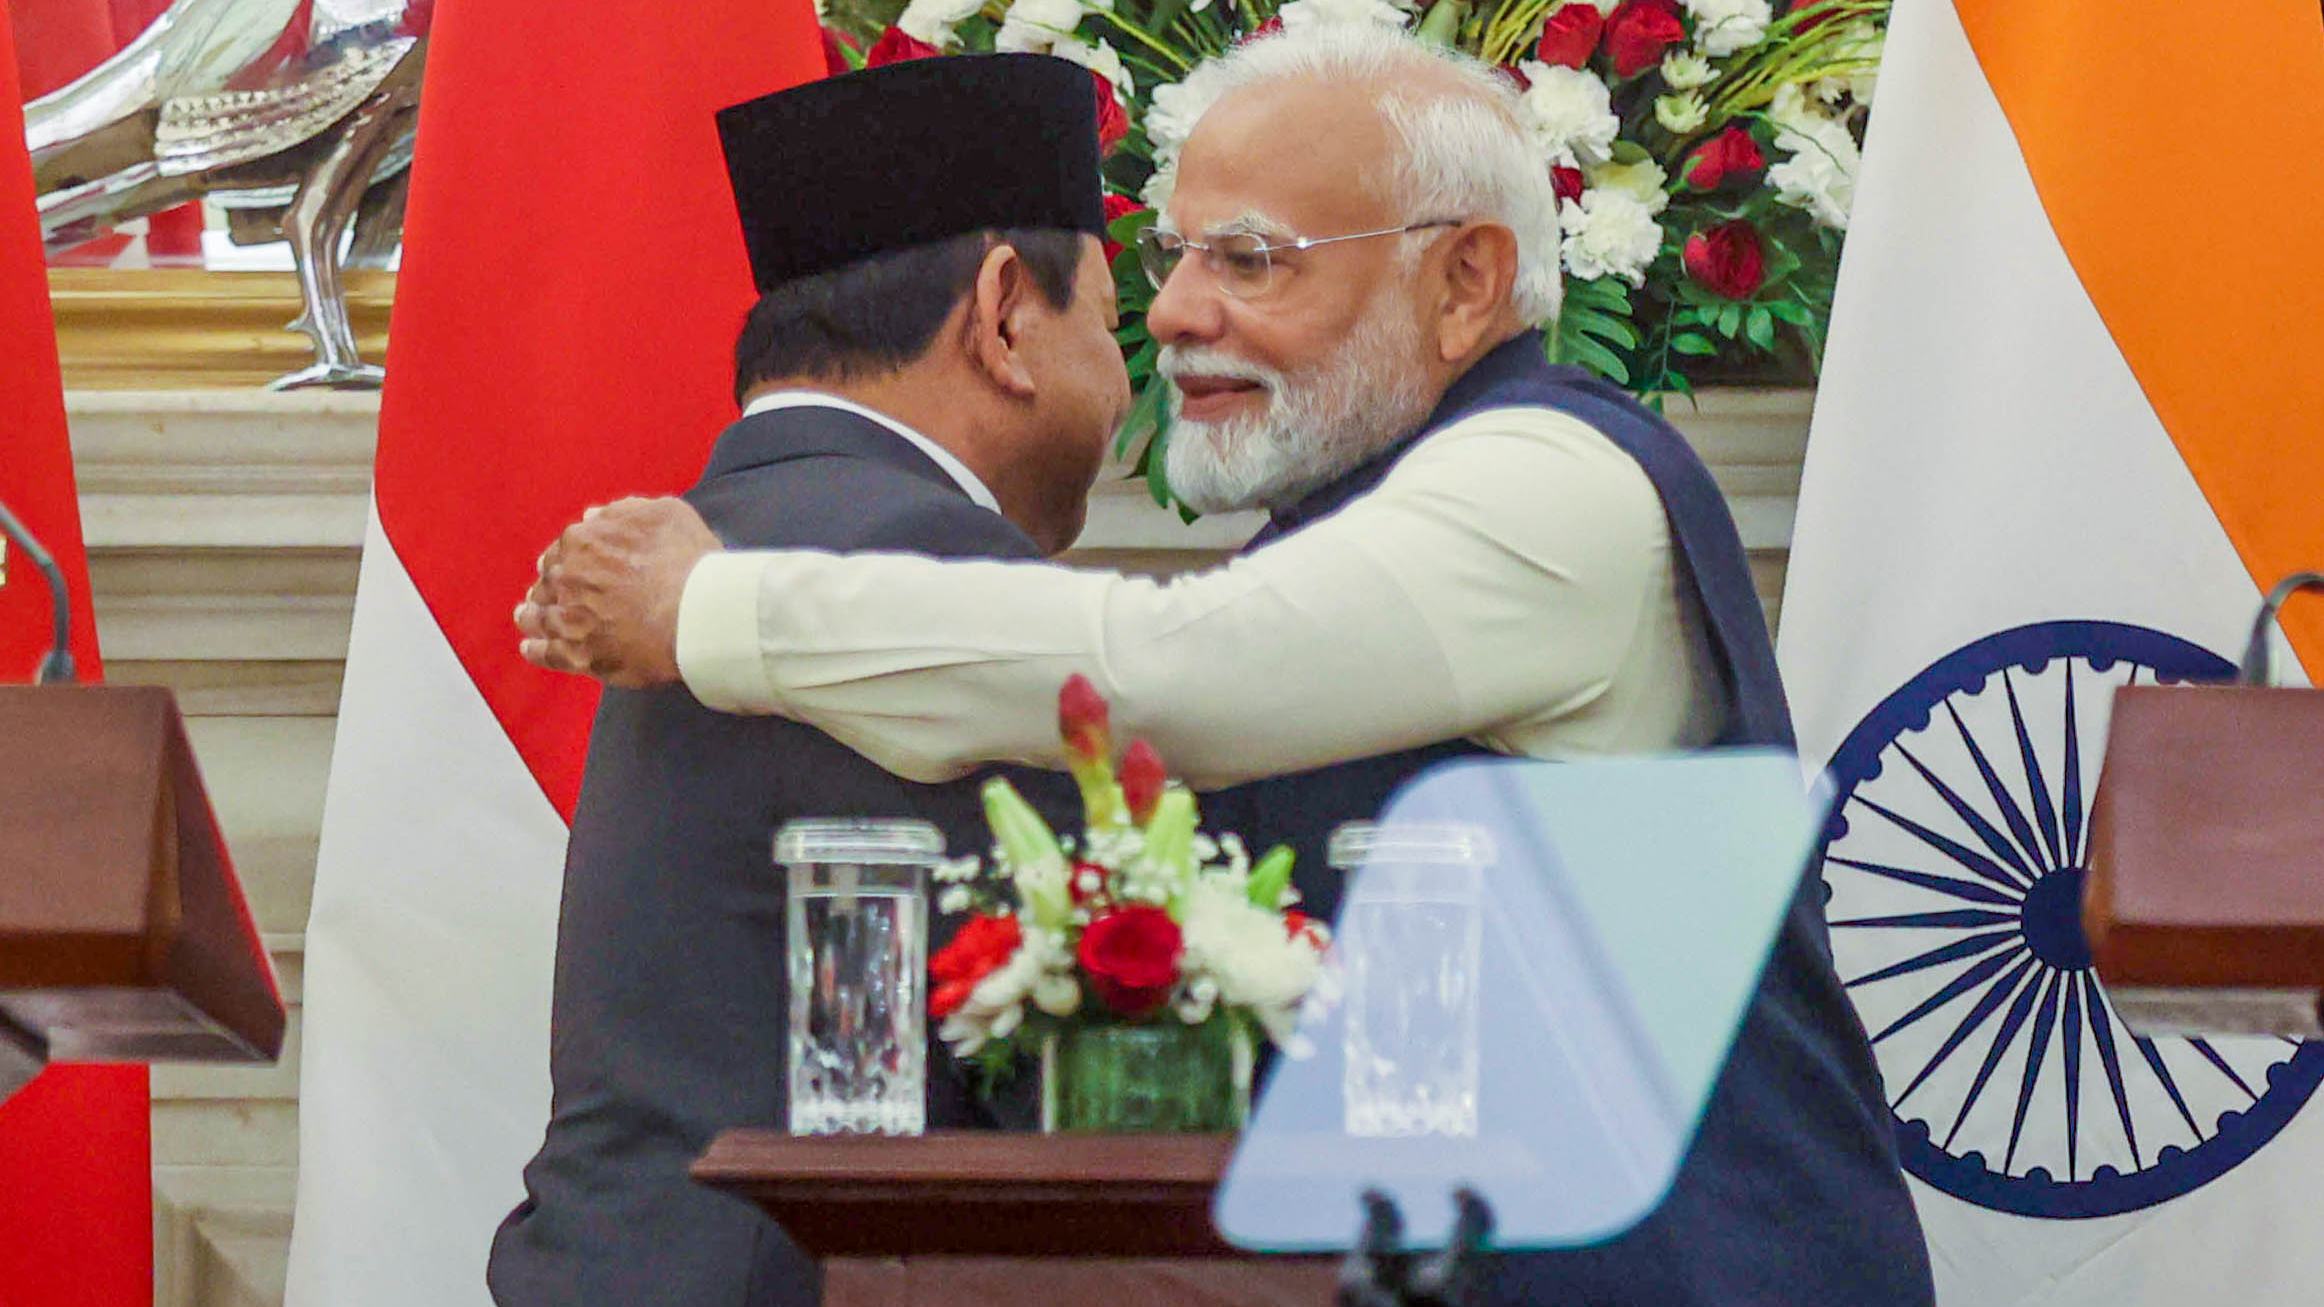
856,922
1408,940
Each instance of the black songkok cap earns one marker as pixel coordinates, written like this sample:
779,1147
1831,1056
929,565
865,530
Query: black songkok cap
911,153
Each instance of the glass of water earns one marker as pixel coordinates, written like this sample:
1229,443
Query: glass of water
1408,939
856,922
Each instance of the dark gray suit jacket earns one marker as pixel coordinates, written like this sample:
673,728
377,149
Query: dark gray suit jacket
669,1021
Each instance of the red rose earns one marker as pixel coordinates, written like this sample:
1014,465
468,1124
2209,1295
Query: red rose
980,948
1723,158
1113,121
1131,955
1568,182
894,47
1727,259
835,48
1297,924
1638,33
1571,35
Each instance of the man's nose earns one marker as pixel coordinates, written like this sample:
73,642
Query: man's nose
1189,308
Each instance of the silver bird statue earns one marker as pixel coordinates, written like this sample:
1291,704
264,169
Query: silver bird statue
295,115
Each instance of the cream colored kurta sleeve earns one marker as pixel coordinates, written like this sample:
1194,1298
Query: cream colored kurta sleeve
1509,581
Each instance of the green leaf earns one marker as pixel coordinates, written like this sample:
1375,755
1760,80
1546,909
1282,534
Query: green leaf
1270,877
1730,319
1597,358
1157,481
1688,342
1443,22
1788,311
1612,330
1124,230
1760,327
1145,417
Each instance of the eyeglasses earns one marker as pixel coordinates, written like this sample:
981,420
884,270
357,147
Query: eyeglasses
1243,262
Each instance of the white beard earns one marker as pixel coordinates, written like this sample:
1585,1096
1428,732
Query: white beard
1361,398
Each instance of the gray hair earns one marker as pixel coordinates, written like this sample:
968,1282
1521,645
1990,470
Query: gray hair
1465,150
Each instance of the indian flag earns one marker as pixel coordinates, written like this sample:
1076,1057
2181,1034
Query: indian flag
564,324
2071,427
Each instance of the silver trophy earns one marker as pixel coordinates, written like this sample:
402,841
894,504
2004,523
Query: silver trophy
298,121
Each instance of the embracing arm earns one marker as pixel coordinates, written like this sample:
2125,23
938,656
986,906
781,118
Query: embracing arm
1498,574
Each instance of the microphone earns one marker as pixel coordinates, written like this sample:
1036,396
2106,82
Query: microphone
58,665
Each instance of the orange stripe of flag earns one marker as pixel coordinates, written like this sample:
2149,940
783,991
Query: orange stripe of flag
2176,151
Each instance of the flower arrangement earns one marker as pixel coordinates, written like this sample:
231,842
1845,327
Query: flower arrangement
1141,919
1704,152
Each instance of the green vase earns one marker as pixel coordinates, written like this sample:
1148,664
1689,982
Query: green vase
1153,1077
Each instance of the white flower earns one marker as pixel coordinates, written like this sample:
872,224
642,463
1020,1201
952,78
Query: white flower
1686,72
1792,110
1247,955
1642,181
1059,996
1196,1002
1724,26
1156,192
1032,26
1680,114
933,20
1171,114
952,899
1099,58
1301,15
1569,112
1820,175
1609,233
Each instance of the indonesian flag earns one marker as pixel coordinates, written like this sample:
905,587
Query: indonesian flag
76,1183
2071,427
572,282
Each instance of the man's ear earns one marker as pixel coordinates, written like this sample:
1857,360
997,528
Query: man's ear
1479,271
997,309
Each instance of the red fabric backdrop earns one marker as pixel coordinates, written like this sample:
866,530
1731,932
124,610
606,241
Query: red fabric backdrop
76,1190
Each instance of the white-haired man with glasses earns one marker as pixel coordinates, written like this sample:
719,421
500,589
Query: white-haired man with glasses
1468,549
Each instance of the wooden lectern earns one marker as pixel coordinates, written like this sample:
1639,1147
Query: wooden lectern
123,934
2205,905
972,1218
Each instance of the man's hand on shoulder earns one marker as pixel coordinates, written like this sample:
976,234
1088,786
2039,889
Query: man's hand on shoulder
606,602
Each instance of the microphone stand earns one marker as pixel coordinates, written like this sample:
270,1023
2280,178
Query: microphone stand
57,667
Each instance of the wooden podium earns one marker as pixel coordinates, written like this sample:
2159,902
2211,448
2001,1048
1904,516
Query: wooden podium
123,933
974,1218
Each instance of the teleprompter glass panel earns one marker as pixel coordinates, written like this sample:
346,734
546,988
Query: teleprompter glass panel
1537,974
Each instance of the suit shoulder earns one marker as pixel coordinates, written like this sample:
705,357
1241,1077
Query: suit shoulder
945,524
841,502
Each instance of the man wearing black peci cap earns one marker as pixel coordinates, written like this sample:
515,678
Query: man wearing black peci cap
930,368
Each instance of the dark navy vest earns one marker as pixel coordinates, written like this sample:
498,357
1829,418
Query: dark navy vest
1791,1193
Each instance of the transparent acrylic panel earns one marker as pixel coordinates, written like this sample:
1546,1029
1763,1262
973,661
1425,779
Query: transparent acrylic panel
1538,1015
